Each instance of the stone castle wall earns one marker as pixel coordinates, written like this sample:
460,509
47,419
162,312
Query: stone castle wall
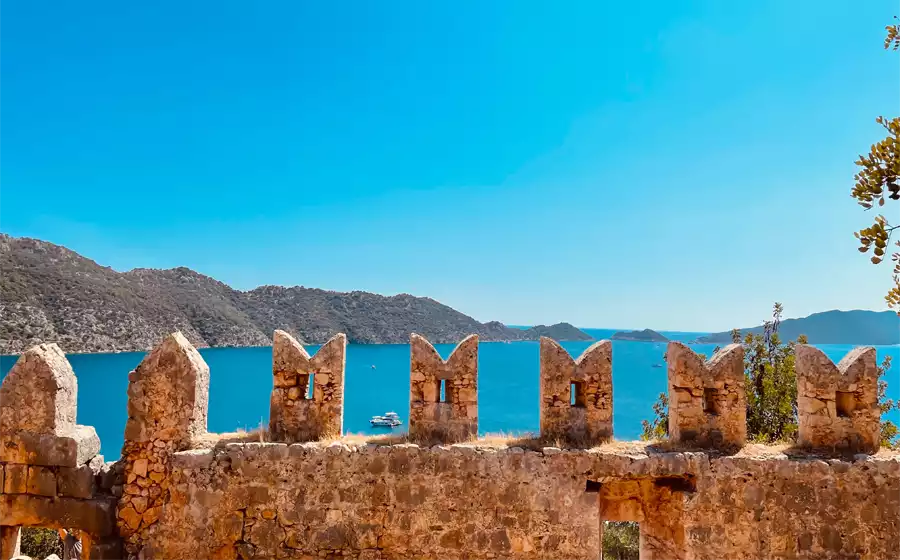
179,492
576,395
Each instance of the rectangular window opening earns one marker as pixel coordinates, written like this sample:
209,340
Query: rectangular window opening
620,540
845,402
576,394
710,403
310,387
444,392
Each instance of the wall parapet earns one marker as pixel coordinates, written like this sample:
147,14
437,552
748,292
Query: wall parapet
50,472
461,497
837,405
481,501
576,395
443,394
707,400
307,399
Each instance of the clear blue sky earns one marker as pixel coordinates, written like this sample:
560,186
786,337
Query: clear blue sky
675,165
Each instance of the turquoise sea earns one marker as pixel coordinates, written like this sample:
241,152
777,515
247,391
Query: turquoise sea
241,380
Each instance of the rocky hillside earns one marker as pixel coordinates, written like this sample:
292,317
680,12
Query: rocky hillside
49,293
830,327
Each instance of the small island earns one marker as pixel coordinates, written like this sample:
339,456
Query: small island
558,332
645,335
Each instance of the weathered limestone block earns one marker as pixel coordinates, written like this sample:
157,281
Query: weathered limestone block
77,482
41,481
76,448
95,517
837,406
39,394
297,411
15,479
455,416
37,418
584,417
707,402
168,394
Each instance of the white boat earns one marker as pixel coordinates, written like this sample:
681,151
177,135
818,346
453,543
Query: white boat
389,419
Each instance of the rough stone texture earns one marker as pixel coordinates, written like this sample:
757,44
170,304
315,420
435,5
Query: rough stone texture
456,418
316,500
168,394
340,499
41,481
95,516
168,397
78,447
292,415
707,402
77,483
44,388
837,406
15,480
588,420
47,461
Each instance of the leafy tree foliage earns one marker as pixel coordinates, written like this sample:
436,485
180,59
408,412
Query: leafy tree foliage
879,177
770,382
39,542
658,428
890,435
621,540
771,386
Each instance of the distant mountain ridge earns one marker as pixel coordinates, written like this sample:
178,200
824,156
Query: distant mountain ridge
870,328
49,293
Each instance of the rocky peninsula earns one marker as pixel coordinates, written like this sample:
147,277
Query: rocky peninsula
49,293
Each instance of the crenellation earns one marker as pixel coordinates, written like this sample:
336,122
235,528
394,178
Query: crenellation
178,492
47,460
443,402
584,417
300,410
837,406
168,396
707,400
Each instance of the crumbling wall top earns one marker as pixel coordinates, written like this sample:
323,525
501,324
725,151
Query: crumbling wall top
860,364
427,363
576,395
168,393
40,393
707,400
837,405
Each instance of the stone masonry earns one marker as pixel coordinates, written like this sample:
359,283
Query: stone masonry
837,406
298,412
576,395
167,408
707,402
454,417
183,493
50,472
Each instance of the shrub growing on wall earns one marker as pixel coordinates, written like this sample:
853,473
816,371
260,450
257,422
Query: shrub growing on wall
771,385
